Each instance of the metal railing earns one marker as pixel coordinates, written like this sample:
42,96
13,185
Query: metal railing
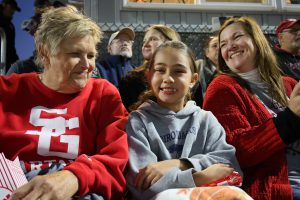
3,52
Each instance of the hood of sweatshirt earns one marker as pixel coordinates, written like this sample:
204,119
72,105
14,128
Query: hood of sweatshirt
156,109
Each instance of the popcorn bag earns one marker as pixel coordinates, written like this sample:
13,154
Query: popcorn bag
11,176
224,188
234,179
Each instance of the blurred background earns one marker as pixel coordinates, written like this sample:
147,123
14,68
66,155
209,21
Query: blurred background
24,41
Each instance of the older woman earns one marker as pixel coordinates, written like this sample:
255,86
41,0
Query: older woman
259,109
61,116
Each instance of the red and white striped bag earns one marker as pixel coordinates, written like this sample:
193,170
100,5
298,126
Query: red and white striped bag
11,176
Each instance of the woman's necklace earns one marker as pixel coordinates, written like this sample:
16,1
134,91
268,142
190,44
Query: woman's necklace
40,77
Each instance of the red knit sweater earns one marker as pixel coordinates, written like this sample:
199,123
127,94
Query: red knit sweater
250,128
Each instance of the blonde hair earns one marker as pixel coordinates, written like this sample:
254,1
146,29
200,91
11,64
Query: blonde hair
59,24
265,59
178,45
168,33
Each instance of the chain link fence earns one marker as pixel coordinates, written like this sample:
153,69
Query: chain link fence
192,35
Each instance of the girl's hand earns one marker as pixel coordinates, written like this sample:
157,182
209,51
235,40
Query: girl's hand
294,103
59,185
212,173
150,174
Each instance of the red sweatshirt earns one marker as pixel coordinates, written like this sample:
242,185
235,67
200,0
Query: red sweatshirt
250,128
84,130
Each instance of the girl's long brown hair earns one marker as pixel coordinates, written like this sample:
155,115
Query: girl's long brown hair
183,48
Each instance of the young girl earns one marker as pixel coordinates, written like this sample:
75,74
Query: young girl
173,143
135,83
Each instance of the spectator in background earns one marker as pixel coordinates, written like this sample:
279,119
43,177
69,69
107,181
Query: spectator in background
135,83
41,6
259,110
208,66
118,63
28,65
7,10
288,33
67,129
295,1
31,25
25,66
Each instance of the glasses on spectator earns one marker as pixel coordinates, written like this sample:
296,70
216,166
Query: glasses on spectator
291,30
120,41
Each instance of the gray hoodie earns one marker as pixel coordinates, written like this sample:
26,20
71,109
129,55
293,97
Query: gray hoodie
192,134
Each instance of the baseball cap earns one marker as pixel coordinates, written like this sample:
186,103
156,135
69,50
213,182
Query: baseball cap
41,3
125,30
287,23
12,3
46,3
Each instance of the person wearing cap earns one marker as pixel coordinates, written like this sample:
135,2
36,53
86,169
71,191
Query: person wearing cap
7,10
288,49
118,63
31,25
